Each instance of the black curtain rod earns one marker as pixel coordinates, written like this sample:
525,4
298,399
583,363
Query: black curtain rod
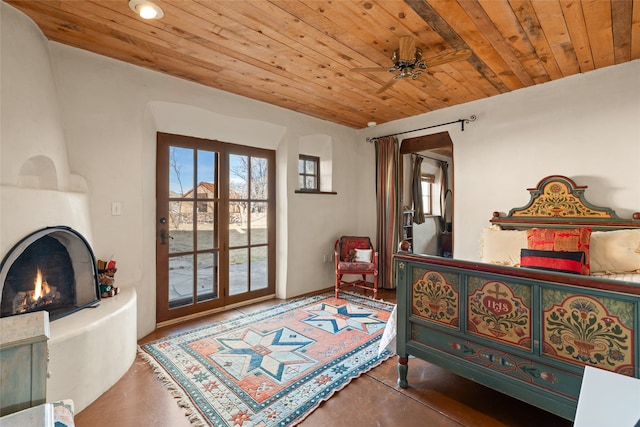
430,158
461,121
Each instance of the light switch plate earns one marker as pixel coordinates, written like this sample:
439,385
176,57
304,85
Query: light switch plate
116,208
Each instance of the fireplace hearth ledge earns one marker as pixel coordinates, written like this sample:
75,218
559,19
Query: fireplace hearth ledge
90,350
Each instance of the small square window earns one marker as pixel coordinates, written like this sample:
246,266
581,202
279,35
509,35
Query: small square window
426,182
309,173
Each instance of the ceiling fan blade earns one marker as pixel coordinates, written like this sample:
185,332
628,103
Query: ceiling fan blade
445,58
407,49
371,69
429,79
387,85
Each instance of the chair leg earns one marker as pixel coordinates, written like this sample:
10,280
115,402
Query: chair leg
375,286
338,276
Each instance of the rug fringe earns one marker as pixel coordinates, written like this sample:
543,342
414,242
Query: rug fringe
183,401
356,294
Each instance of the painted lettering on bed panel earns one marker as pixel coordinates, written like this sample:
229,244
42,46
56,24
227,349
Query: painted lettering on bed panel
435,297
499,311
589,331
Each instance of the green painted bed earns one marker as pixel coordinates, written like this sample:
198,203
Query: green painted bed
526,332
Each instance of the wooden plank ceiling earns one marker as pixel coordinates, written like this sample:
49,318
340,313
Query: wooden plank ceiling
298,54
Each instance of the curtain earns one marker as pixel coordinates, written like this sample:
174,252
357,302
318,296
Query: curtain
388,207
444,192
416,190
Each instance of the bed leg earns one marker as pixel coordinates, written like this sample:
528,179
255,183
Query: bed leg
403,367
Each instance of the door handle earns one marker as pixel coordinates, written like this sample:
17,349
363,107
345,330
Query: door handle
163,237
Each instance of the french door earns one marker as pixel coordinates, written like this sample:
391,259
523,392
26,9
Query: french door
215,240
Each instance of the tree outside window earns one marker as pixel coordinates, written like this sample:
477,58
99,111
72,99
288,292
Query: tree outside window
309,173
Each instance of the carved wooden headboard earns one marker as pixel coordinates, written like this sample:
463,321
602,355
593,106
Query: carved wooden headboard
557,202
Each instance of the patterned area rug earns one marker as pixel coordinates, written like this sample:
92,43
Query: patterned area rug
274,367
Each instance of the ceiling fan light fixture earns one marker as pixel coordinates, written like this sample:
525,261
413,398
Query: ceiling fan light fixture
146,9
408,62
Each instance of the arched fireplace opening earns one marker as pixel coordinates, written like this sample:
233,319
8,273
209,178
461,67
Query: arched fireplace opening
52,269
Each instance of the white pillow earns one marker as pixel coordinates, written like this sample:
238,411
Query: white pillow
615,251
363,255
502,247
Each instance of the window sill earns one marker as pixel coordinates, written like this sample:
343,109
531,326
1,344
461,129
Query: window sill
315,192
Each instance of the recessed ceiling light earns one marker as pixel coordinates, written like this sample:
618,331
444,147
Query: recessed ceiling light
371,124
146,9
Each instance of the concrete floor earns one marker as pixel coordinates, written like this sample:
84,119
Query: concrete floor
435,397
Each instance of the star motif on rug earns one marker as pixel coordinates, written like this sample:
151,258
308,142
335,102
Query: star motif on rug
252,352
335,318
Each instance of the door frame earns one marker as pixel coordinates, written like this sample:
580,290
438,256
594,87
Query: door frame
438,143
166,315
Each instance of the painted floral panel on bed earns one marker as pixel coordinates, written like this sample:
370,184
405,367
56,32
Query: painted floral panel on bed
589,331
436,297
559,200
499,311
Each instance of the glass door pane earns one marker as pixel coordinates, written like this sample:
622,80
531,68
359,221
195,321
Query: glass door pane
180,232
180,281
259,265
189,233
248,219
238,268
238,224
207,213
259,223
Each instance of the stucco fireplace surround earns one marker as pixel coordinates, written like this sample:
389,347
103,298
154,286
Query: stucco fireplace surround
90,349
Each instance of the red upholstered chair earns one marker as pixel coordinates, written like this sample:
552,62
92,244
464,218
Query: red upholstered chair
356,255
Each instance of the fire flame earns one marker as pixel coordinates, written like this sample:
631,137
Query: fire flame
41,286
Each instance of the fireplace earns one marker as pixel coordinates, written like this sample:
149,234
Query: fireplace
52,269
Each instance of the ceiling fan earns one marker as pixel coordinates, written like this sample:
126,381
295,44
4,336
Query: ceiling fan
408,62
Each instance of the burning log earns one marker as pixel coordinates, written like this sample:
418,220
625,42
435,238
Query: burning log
28,301
41,296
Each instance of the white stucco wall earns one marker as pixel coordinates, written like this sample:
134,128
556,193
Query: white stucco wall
111,111
30,114
91,349
586,127
37,189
